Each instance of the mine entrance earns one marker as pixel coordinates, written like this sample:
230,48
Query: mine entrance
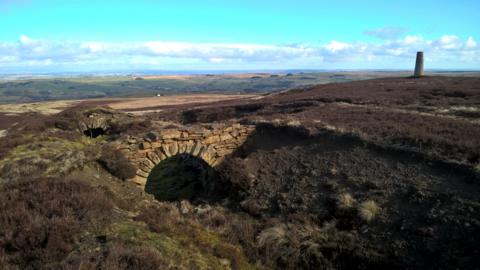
184,177
94,132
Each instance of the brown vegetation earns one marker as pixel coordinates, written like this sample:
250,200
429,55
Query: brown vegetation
116,163
42,218
390,112
364,175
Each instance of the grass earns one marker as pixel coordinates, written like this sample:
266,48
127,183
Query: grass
173,248
45,155
345,201
191,235
368,210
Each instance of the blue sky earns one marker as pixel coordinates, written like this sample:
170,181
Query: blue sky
214,35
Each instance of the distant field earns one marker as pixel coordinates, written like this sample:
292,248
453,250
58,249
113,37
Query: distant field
48,89
138,105
35,89
154,103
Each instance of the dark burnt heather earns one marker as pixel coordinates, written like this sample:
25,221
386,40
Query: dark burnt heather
423,211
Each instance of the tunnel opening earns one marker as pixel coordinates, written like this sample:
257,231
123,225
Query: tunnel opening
94,132
185,177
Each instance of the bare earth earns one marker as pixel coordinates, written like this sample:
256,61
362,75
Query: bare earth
135,105
153,103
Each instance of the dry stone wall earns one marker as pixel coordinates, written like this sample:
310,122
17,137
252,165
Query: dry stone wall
210,143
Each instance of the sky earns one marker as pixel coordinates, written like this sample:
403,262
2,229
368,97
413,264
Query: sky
87,36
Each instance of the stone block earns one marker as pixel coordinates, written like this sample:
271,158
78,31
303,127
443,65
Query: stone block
166,150
151,136
226,137
139,154
147,162
144,168
182,147
142,173
156,144
173,147
153,157
196,149
160,154
139,180
145,145
170,134
189,147
212,139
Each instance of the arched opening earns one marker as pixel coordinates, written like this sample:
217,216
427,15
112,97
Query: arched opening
185,177
94,132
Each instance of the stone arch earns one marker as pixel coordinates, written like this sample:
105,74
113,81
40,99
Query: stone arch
184,177
164,151
209,143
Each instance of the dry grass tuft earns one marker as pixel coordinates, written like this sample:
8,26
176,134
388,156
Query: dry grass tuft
345,201
275,243
368,210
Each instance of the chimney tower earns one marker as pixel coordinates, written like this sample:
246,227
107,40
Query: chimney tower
419,65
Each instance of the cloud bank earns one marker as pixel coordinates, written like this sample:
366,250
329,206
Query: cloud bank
447,51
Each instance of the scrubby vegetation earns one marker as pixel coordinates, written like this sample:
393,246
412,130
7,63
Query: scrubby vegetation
389,112
328,180
41,219
116,163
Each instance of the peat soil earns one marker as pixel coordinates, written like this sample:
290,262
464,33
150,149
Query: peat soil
426,214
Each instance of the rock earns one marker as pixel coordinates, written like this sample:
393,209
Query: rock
226,137
251,207
212,139
170,134
173,148
202,209
185,207
151,136
145,145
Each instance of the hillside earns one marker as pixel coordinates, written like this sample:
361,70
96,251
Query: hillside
36,89
373,174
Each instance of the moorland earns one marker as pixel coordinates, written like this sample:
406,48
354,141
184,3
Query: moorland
370,174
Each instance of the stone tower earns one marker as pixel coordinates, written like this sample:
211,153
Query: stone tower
419,65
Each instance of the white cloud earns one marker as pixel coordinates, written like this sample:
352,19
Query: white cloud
335,46
409,40
471,43
449,42
26,40
448,51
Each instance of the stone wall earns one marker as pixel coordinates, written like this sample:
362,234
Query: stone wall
210,143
